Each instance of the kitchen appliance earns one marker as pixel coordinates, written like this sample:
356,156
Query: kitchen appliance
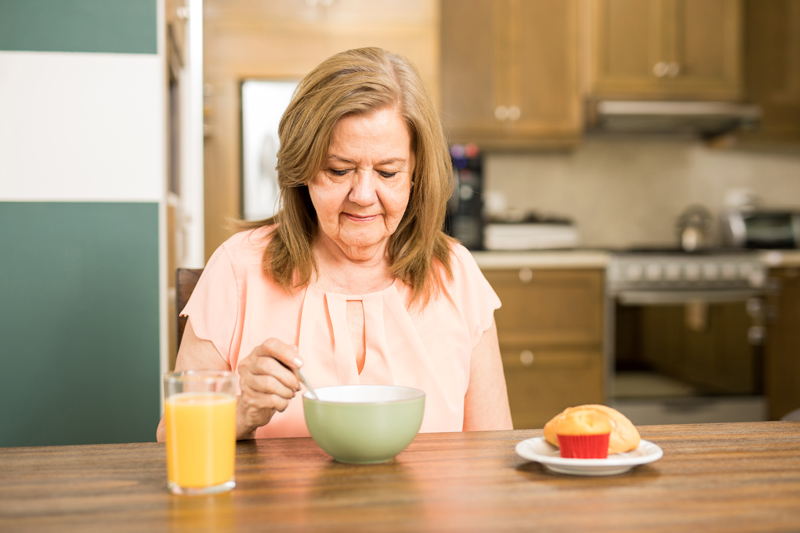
761,228
465,206
707,119
684,335
694,228
530,236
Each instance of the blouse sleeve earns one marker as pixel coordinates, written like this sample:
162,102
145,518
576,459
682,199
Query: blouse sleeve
475,297
214,305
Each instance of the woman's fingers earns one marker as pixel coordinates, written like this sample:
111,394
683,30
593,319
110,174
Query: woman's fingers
265,370
267,381
279,350
262,404
284,385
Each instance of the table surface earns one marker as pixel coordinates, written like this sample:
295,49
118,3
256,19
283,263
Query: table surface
712,477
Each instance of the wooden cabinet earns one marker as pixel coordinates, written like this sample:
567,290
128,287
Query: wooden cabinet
550,329
772,67
509,72
665,49
782,376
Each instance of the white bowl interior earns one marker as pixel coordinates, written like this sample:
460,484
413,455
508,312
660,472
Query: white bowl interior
366,394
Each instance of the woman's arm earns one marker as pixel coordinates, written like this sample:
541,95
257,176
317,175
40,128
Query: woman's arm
266,378
486,402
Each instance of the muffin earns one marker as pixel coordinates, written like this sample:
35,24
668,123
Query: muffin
583,434
623,436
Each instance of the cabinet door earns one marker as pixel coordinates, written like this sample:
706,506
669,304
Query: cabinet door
625,46
510,72
549,307
473,67
672,49
772,76
544,83
542,383
704,49
782,380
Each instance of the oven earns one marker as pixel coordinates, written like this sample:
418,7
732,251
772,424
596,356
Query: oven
685,336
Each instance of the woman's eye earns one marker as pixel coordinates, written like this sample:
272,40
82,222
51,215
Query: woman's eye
387,174
336,172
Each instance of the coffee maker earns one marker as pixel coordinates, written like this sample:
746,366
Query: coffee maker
465,207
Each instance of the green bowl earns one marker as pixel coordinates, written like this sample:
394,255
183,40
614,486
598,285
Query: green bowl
364,424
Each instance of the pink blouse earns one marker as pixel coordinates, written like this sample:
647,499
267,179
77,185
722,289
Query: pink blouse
237,307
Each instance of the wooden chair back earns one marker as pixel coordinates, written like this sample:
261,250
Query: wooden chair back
185,282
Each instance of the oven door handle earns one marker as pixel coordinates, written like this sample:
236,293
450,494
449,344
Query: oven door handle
682,297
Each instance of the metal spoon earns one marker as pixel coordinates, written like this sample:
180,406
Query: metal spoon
308,385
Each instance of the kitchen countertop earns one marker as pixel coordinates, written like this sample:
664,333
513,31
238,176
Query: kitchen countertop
712,477
593,258
780,258
542,259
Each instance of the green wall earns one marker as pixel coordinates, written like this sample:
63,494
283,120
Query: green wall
108,26
79,322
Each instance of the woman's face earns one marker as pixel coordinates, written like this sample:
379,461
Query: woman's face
362,190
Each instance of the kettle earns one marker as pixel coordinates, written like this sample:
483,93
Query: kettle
694,228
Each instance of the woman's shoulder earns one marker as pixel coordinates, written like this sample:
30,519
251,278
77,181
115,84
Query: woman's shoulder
245,249
463,274
462,263
249,243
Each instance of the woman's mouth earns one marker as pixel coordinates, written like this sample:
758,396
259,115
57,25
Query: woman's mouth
361,219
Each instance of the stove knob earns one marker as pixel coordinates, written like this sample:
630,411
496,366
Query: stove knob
692,271
745,269
673,271
710,271
729,271
757,277
634,272
653,272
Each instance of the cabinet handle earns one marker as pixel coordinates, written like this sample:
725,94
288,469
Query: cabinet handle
673,69
514,113
756,335
660,69
525,275
526,357
501,113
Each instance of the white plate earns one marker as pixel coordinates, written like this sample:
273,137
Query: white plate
539,450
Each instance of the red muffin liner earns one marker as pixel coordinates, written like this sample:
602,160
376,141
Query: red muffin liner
584,446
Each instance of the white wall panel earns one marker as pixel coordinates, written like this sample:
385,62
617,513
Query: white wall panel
81,127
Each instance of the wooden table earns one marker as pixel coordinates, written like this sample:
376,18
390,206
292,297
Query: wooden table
713,477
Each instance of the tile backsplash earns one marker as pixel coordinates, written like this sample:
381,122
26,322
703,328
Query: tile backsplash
630,191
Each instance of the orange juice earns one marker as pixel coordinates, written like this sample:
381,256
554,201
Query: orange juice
201,438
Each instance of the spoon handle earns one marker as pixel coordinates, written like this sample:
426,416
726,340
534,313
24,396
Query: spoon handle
308,385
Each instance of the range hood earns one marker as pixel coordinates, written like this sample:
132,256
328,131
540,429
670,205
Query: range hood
707,119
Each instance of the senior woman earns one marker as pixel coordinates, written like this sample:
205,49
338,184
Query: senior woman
353,279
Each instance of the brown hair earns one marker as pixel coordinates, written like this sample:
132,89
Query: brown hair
361,81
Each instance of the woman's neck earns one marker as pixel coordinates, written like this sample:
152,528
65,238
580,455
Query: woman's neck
337,272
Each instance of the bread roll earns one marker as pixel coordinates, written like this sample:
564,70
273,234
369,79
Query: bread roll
581,421
624,436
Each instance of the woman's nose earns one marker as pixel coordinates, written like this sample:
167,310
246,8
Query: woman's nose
363,191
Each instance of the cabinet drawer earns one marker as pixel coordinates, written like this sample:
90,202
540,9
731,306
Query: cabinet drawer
541,384
550,307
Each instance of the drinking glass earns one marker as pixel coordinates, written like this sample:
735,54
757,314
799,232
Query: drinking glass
200,417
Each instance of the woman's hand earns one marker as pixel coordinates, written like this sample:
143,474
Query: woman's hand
267,381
